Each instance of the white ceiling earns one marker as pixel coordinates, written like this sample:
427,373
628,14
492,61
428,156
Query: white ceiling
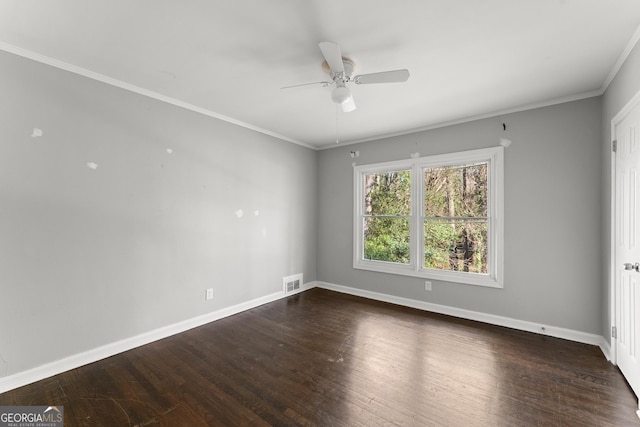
229,59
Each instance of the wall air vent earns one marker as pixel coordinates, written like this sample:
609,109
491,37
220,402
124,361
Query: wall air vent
291,284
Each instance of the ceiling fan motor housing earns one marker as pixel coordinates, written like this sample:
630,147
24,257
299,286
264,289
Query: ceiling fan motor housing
349,68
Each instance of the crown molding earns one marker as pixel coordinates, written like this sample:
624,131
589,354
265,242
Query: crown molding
140,91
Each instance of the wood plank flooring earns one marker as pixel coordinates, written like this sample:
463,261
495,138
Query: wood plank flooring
322,358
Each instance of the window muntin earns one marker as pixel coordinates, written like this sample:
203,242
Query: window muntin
463,247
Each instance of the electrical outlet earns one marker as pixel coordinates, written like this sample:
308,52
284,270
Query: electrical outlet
209,294
427,285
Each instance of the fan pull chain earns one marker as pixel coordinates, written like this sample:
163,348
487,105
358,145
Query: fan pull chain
337,114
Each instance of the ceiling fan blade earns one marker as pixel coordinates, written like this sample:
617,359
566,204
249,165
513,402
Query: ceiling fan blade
348,105
324,84
395,76
331,53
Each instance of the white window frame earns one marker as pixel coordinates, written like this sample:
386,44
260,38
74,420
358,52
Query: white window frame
494,278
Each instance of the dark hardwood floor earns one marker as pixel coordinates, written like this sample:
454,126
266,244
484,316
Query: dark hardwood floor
328,359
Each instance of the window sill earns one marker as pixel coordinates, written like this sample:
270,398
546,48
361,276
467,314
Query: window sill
445,276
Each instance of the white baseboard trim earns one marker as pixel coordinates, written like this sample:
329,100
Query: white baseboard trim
508,322
75,361
606,349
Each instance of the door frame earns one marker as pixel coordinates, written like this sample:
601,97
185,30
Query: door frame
617,119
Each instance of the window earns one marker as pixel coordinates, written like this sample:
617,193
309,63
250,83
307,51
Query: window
437,217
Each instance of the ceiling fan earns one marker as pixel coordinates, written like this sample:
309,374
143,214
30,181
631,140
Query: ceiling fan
340,69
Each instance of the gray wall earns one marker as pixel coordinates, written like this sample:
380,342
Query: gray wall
620,91
553,202
89,257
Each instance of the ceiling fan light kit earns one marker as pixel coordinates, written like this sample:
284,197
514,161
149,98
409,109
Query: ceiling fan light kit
340,94
340,70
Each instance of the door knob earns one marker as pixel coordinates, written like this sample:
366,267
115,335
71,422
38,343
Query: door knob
629,266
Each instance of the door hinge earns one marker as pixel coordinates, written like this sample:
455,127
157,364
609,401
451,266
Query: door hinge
614,332
614,145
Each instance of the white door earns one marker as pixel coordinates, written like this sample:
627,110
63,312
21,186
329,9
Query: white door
627,240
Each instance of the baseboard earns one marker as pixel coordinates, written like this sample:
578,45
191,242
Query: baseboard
508,322
75,361
605,347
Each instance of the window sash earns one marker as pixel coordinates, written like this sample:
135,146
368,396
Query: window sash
473,259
